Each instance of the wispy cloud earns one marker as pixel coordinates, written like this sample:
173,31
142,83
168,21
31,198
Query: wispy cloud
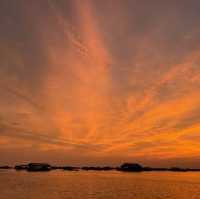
100,79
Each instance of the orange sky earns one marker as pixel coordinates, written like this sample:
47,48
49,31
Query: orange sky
100,82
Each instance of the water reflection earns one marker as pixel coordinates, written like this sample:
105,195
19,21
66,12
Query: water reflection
99,185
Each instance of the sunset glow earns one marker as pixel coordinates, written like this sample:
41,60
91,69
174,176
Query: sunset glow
100,82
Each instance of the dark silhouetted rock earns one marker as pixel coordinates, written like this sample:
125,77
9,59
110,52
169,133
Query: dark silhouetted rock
177,169
21,167
70,168
134,167
38,167
154,169
106,168
5,167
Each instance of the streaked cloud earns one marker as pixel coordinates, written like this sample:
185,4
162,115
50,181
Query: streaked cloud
103,81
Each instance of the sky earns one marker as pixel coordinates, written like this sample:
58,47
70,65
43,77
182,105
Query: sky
89,82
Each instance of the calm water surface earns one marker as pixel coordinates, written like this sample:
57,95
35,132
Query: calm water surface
99,185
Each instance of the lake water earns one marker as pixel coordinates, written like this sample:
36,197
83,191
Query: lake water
99,185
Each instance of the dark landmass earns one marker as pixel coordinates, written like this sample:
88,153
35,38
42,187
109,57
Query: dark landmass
38,167
125,167
70,168
130,167
5,167
21,167
107,168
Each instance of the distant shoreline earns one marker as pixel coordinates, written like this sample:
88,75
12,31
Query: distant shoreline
126,167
